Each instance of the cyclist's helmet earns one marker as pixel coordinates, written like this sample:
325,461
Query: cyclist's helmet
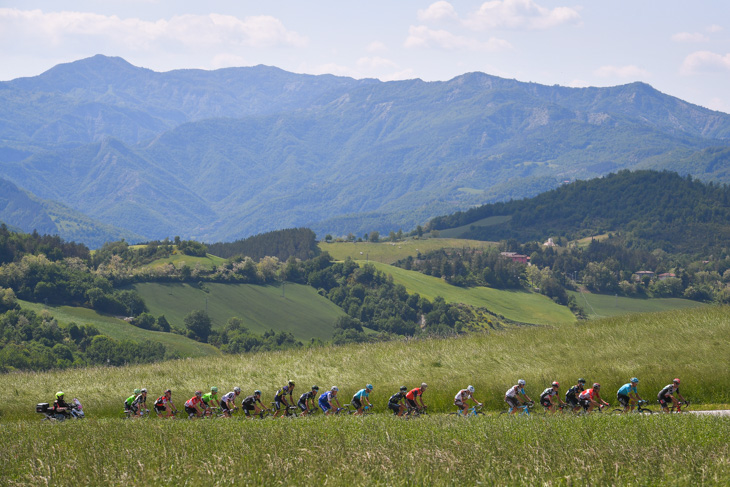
143,390
237,390
634,380
676,381
168,391
198,393
581,381
214,389
291,382
521,382
256,392
596,385
369,387
423,385
315,388
334,389
556,384
137,391
403,389
59,395
470,388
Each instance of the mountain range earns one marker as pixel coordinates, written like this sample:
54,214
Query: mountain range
220,155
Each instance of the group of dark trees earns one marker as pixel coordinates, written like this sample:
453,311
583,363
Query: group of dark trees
300,243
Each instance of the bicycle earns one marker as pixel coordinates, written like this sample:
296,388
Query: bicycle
525,409
475,410
412,412
143,413
343,410
559,409
640,409
679,409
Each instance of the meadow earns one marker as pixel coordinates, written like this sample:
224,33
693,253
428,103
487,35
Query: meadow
390,252
296,308
517,305
603,305
381,450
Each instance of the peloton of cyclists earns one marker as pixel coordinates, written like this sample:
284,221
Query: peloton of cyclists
465,395
512,396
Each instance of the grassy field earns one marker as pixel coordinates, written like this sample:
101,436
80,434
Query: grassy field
178,260
301,310
121,330
457,232
440,450
379,449
389,252
522,306
602,305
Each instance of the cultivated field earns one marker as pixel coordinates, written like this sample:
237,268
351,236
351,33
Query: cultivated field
389,252
522,306
603,305
297,308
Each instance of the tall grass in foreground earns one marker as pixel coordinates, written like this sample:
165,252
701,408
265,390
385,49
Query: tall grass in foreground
691,344
436,450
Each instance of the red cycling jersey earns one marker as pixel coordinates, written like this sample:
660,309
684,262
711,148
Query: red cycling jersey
587,394
413,393
193,401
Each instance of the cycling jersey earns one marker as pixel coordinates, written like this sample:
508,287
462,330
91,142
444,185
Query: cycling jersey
588,394
669,390
549,392
141,399
514,390
571,394
627,389
193,401
250,400
307,395
411,396
462,395
360,394
130,400
161,401
231,396
283,392
397,397
210,397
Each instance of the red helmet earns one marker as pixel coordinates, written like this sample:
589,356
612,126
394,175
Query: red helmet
556,384
676,381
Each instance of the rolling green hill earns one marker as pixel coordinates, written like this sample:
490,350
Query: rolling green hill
389,252
522,306
602,305
300,311
121,330
179,259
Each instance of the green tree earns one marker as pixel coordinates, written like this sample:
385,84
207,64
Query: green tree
199,324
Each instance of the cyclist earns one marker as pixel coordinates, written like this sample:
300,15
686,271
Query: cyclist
549,395
359,397
228,401
280,398
249,404
139,405
130,400
591,398
572,396
164,406
416,395
511,397
462,396
667,394
211,397
395,403
307,398
194,405
60,406
325,400
628,396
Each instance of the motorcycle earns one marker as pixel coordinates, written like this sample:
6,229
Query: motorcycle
74,411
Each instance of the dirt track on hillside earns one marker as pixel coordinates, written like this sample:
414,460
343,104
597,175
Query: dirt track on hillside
721,412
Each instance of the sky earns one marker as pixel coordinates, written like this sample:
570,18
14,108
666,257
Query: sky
681,48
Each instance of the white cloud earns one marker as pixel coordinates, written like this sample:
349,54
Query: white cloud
690,37
375,63
579,83
376,46
718,104
519,14
226,60
713,28
623,72
705,61
204,31
438,11
423,37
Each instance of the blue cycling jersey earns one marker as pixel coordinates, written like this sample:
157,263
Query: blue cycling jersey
362,393
627,389
325,398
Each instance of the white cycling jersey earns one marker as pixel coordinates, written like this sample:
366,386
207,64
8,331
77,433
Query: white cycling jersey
462,395
514,390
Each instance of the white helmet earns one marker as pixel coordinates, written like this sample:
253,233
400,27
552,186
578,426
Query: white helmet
521,382
237,389
470,388
334,389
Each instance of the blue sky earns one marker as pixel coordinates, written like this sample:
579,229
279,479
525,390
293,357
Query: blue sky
681,48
